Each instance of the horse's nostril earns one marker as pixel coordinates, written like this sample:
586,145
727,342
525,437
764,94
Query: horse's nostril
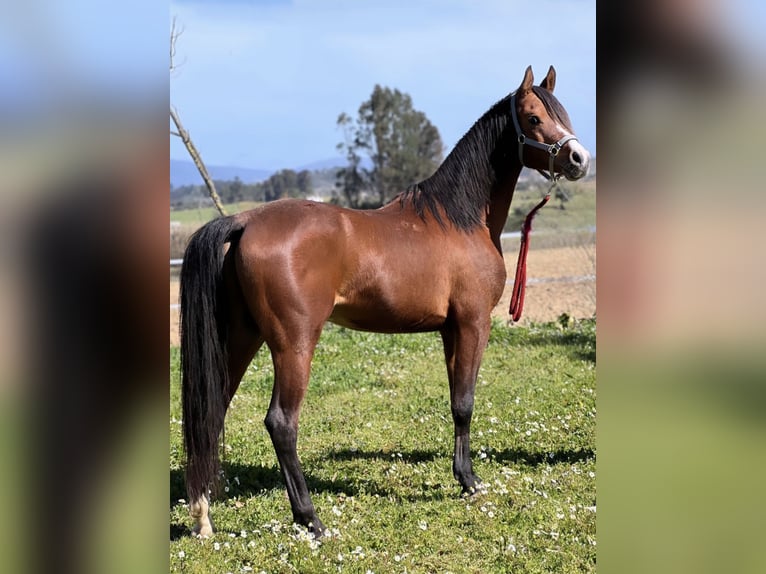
576,157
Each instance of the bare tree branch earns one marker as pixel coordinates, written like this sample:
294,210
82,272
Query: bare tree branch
184,135
175,33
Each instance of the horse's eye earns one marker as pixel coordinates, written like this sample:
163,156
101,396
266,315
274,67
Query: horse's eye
534,120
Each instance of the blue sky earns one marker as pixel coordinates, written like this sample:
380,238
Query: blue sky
261,83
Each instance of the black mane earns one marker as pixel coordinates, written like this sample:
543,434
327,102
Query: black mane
462,184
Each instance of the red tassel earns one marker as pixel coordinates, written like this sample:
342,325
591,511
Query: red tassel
520,281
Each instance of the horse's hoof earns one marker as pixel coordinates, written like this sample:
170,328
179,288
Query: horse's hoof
478,488
204,529
202,532
318,529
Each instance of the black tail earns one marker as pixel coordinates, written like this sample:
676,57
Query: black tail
203,350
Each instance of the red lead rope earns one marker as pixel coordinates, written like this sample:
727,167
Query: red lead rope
520,282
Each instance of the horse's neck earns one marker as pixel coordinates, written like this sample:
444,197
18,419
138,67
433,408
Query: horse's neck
499,204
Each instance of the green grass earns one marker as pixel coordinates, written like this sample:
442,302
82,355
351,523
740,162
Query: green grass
376,444
579,212
204,214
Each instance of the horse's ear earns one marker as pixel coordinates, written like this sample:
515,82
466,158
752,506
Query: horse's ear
528,80
549,81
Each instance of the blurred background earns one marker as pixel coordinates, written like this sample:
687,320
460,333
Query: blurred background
83,296
83,286
681,328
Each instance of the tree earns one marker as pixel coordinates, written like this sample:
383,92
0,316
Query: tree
403,147
286,183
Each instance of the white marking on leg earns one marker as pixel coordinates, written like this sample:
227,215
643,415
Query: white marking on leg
200,511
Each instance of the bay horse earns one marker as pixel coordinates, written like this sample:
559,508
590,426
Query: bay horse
430,260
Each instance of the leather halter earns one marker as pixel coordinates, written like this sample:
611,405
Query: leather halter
552,149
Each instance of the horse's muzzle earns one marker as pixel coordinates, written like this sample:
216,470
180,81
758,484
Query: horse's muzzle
577,162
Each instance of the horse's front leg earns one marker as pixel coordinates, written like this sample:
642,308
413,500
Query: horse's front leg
464,345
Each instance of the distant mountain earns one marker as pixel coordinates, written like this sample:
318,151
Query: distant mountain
184,172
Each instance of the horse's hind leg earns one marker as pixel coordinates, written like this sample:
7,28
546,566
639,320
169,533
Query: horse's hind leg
464,345
292,365
242,343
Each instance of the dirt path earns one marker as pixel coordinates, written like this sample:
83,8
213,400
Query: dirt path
559,280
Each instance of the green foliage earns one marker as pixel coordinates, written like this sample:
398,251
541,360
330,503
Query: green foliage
402,145
286,183
376,444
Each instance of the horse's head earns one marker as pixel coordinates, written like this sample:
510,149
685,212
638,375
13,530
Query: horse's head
545,137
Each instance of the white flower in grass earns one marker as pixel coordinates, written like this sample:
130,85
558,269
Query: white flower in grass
182,554
216,546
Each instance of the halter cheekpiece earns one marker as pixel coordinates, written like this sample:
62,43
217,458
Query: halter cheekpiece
552,149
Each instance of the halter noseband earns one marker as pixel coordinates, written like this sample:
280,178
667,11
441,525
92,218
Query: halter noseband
552,149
